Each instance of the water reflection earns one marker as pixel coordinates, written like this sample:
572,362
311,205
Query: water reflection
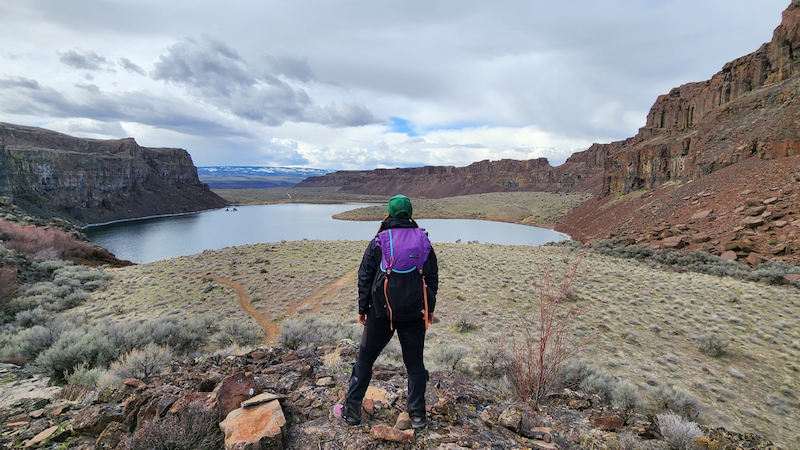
165,237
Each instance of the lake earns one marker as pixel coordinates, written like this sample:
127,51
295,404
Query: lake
147,240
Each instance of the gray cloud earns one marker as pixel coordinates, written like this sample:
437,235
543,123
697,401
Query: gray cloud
131,67
28,97
85,61
216,73
290,67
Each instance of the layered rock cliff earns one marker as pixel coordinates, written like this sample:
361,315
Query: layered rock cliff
749,109
94,181
447,181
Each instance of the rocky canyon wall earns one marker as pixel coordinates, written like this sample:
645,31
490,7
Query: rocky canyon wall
93,181
748,109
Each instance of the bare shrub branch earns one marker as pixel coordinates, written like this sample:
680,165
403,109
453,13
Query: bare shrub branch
538,357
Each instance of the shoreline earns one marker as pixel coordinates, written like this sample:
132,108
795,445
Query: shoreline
549,225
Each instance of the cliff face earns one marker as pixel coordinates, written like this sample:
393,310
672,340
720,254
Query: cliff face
93,181
749,109
447,181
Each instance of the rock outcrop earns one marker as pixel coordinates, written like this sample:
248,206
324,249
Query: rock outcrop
480,177
750,109
93,181
289,410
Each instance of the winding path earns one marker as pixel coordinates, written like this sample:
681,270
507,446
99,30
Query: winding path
272,328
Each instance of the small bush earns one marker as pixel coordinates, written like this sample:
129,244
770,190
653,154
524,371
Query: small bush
72,349
626,396
712,344
31,317
464,324
239,333
680,434
574,372
665,398
449,357
147,362
31,240
74,392
314,332
333,362
601,384
8,284
82,375
628,441
492,362
193,428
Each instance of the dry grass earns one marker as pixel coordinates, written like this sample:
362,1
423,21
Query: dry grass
294,195
531,208
647,320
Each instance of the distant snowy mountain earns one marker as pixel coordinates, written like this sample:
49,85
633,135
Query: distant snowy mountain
255,177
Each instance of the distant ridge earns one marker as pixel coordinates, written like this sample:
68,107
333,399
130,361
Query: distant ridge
255,177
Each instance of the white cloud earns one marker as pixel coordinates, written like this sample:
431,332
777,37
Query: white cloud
263,82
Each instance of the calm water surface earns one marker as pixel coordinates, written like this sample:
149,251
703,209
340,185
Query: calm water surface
166,237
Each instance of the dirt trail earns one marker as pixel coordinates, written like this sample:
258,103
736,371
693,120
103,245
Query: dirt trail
272,328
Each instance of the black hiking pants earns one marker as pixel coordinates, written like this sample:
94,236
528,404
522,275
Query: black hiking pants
376,335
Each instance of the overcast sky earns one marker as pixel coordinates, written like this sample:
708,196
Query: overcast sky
363,83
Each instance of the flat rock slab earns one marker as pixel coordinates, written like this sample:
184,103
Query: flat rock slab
387,433
256,428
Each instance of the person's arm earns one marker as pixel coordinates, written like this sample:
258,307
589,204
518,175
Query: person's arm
366,274
431,271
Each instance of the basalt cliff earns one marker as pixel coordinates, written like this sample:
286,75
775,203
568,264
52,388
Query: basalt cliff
716,165
50,174
713,167
506,175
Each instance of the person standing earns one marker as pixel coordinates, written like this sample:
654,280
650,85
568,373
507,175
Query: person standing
397,284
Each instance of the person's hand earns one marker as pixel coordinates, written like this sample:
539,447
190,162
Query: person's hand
430,318
362,319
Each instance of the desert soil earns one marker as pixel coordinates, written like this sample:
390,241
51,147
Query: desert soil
643,320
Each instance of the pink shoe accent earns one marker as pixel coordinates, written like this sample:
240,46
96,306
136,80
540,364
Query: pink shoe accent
337,411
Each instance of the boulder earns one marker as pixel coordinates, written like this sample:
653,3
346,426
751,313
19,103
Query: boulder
755,211
403,421
41,436
755,259
233,391
701,214
93,420
511,418
387,433
673,242
730,255
611,420
262,427
325,382
778,249
110,437
753,222
791,278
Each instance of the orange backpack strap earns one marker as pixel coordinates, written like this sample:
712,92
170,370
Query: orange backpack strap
386,296
425,300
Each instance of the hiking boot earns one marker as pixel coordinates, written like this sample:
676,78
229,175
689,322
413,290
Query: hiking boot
340,412
417,419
